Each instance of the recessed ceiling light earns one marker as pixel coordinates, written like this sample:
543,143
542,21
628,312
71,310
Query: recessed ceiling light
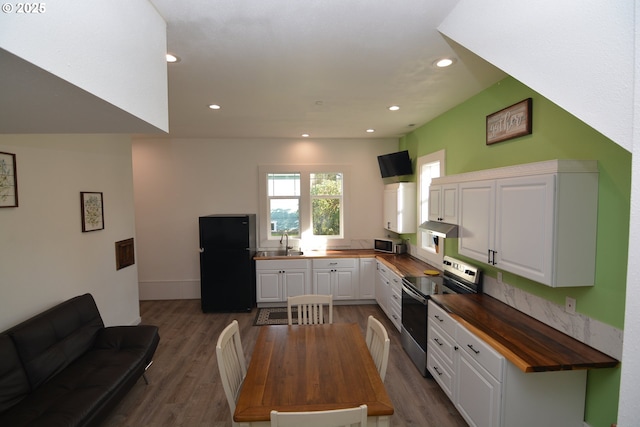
394,108
305,135
371,130
215,106
444,62
172,58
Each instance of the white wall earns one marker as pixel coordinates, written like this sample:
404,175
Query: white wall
176,181
112,49
629,410
45,258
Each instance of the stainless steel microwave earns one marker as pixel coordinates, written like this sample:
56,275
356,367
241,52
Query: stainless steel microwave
390,246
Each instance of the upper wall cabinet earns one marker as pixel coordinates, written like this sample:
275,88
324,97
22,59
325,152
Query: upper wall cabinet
443,203
537,220
400,207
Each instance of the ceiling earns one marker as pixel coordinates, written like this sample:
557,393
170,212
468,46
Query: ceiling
278,69
329,68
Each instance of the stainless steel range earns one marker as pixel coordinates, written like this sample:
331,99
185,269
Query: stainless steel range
458,278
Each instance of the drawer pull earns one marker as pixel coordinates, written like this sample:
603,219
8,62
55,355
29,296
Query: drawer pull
438,317
435,368
394,316
473,349
437,341
395,296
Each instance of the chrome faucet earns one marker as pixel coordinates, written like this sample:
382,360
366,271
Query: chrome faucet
285,235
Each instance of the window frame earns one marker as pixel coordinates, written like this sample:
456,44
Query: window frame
306,226
422,214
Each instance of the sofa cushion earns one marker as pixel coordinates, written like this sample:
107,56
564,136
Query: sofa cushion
14,385
50,341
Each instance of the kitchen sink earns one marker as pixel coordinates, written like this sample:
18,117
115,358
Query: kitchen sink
279,252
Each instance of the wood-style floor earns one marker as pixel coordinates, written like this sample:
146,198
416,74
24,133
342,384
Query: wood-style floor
184,383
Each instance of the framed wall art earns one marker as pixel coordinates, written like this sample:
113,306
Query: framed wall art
92,207
8,181
510,122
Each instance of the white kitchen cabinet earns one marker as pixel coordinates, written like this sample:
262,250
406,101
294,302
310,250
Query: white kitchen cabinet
478,387
400,207
538,220
382,287
490,391
441,332
395,300
368,272
477,219
443,203
389,294
337,277
276,280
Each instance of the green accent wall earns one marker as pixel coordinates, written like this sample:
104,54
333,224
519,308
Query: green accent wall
556,135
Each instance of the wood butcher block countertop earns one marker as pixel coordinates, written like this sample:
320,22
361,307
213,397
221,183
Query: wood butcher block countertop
402,264
527,343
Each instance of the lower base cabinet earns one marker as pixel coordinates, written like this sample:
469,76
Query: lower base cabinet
347,279
277,280
337,277
389,294
490,391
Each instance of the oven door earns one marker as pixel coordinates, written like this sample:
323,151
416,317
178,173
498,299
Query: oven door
414,315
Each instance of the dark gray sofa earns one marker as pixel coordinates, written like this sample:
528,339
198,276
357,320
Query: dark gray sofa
63,367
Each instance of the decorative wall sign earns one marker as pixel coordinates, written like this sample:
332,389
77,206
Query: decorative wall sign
510,122
125,254
92,211
8,181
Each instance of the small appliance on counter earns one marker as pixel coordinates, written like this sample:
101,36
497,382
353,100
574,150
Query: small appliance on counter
458,278
390,246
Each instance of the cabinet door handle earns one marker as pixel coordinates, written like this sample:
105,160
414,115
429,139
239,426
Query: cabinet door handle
438,317
435,368
473,349
437,341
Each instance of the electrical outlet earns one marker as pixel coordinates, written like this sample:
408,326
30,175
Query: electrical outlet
570,305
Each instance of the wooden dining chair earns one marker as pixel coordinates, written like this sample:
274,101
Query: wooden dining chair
378,343
330,418
310,308
231,363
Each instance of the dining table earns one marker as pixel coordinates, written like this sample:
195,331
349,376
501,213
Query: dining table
311,368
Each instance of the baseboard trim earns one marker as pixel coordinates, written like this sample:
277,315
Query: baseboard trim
169,289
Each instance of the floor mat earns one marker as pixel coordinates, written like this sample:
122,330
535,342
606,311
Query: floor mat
274,316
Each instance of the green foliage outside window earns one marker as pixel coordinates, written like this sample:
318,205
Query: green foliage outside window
326,194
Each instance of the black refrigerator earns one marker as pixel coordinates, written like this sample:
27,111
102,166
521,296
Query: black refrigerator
227,268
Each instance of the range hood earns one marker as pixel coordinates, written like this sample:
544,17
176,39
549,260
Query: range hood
440,229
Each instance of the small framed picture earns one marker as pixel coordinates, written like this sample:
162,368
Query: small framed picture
8,181
510,122
92,207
